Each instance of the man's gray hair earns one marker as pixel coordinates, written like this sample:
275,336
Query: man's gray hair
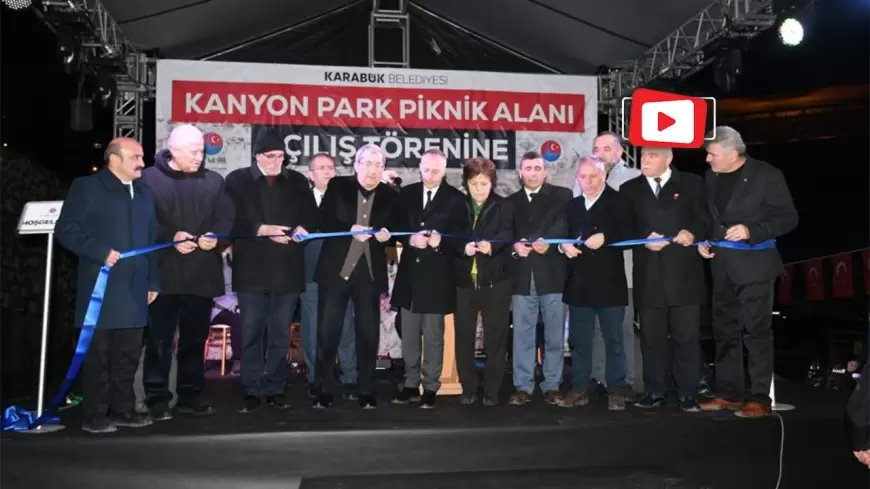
594,161
369,148
728,138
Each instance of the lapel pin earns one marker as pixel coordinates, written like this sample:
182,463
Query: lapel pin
676,196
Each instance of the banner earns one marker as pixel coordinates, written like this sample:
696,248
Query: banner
843,282
784,291
336,110
865,255
814,280
407,112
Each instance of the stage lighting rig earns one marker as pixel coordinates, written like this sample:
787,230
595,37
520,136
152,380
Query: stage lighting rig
18,4
99,40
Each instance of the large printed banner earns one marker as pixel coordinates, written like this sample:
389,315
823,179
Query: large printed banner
336,110
407,112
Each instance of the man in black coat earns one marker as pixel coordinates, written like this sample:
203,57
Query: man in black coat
321,169
668,277
539,278
104,215
424,290
857,417
192,205
748,202
353,268
268,273
596,287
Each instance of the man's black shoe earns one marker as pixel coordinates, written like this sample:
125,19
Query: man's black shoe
131,420
407,395
194,407
368,401
277,401
252,403
322,401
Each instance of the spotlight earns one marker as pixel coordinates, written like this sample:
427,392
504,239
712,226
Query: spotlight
791,32
68,51
17,4
106,87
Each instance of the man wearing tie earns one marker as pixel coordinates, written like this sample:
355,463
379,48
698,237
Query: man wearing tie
748,202
668,276
424,290
539,278
321,169
353,268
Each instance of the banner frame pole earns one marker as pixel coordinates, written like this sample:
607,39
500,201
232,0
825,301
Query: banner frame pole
43,347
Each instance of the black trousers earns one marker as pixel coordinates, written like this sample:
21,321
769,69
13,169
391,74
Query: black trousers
493,303
332,303
108,371
191,316
682,323
742,317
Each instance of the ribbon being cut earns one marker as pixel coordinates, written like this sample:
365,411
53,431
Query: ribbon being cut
16,418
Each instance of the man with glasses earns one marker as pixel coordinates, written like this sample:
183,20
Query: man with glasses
268,273
192,207
353,268
321,169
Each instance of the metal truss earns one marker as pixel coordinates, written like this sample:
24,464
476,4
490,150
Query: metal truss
104,47
390,15
131,96
684,52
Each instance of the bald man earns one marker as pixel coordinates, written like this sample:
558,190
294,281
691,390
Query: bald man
192,206
104,215
425,290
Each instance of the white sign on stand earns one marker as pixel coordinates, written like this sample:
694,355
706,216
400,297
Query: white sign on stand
40,218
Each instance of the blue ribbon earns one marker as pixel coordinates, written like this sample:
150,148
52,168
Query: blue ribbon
16,418
734,245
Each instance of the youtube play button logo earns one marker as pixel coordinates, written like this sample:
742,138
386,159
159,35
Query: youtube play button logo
665,121
661,119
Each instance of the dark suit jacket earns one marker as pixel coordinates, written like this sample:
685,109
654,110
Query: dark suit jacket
262,265
196,203
762,202
542,218
673,276
596,278
495,222
338,213
857,416
98,216
424,281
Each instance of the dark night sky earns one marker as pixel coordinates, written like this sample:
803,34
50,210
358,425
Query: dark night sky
835,51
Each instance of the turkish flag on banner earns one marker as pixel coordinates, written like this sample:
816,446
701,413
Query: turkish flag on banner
866,266
785,285
843,283
814,280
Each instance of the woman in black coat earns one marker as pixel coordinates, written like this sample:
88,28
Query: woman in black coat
483,283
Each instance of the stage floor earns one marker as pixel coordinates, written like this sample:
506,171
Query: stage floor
453,446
